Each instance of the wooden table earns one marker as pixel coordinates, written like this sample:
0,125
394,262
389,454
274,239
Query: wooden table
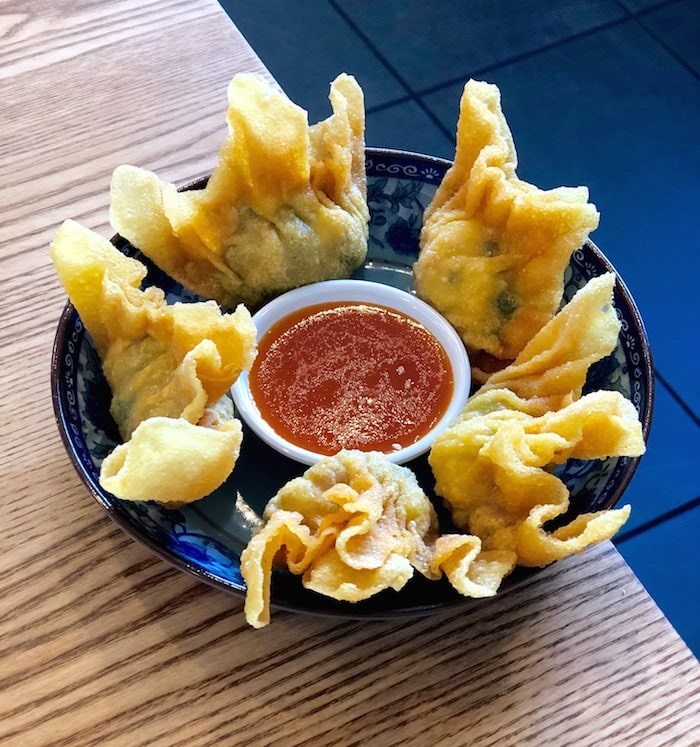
102,643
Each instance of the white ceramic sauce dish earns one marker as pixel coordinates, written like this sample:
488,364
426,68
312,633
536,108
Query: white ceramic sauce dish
358,291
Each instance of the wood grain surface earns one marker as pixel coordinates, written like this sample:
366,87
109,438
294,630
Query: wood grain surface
101,642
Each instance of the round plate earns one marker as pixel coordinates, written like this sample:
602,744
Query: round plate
207,537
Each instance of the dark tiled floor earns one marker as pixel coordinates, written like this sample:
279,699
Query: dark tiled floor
598,92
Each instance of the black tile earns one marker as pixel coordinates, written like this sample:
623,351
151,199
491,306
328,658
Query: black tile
428,43
636,6
678,27
407,127
305,45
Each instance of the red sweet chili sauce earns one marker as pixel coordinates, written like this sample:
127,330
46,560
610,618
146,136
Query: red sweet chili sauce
350,376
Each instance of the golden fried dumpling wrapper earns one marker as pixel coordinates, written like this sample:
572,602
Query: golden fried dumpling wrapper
356,524
189,461
491,465
163,362
493,247
285,206
551,370
472,571
353,525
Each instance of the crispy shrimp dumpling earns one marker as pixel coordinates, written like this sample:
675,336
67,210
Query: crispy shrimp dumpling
352,525
493,466
285,206
356,524
169,368
493,247
492,469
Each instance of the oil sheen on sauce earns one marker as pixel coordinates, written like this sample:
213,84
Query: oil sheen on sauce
350,376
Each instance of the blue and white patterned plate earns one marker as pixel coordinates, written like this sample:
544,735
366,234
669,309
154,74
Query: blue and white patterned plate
207,537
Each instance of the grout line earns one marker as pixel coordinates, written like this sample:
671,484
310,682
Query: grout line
639,20
411,93
652,523
632,13
523,55
679,400
388,104
652,8
368,43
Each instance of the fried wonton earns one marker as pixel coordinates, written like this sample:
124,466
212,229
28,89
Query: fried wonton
169,368
285,206
356,524
551,370
473,571
493,465
493,247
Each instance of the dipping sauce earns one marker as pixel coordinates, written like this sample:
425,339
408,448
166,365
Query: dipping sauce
350,375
